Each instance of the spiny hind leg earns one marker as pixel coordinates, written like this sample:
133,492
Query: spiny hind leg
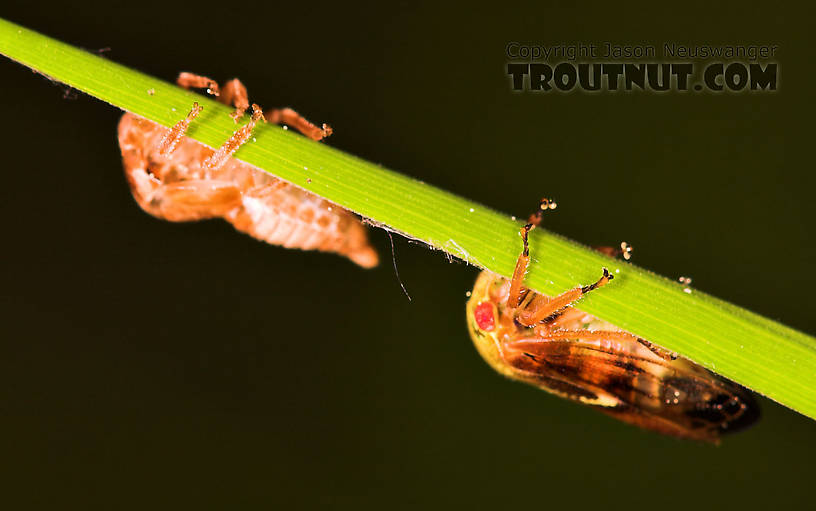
171,139
542,307
602,335
238,138
291,118
657,350
174,135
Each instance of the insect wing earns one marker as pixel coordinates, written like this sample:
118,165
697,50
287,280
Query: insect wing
675,397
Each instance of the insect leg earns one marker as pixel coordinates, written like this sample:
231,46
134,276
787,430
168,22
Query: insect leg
523,261
174,135
194,81
625,250
543,306
543,205
291,118
223,153
657,350
187,80
234,93
604,335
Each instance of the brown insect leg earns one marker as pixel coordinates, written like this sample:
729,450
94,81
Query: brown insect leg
543,307
625,250
657,350
174,135
523,262
194,81
223,153
234,93
291,118
603,335
543,205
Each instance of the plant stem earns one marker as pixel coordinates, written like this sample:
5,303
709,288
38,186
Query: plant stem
761,354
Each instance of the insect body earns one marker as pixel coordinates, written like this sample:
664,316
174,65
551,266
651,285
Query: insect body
545,342
178,179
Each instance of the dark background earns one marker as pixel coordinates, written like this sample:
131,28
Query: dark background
187,366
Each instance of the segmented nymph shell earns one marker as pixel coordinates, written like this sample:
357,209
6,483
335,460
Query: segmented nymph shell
179,188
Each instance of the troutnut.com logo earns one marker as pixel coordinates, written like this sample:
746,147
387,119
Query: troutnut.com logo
610,67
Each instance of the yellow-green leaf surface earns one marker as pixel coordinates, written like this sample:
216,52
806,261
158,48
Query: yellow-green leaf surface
766,356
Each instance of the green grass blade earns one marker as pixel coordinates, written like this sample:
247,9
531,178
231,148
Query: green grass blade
766,356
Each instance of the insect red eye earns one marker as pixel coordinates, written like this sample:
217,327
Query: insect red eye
485,319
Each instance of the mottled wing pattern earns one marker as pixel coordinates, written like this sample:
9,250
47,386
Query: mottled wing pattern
674,397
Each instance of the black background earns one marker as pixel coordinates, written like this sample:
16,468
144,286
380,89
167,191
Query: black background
187,366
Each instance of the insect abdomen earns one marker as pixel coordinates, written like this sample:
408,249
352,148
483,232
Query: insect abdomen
282,214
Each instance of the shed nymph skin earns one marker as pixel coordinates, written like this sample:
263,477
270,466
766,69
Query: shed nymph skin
178,179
